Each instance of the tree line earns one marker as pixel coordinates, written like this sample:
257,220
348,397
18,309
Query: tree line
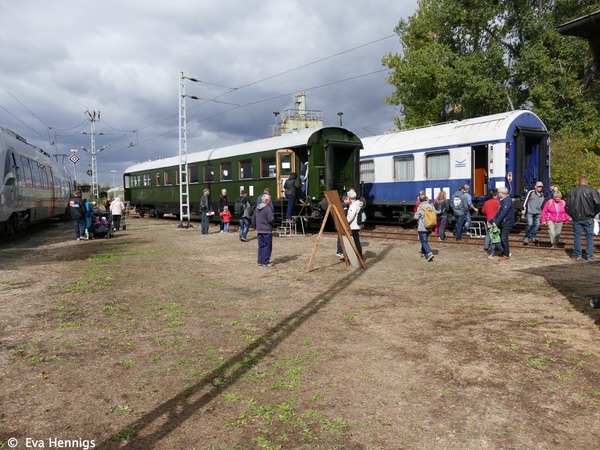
468,58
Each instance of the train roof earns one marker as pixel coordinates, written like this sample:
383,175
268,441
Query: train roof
290,140
486,129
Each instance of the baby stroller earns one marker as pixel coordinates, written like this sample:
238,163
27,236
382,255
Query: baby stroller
101,226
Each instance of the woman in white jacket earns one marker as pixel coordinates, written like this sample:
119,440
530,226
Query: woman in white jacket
352,216
116,211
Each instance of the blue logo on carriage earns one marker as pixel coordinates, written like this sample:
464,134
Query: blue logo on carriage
459,164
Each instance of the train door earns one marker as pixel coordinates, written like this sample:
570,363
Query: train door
286,164
531,158
13,181
342,165
480,158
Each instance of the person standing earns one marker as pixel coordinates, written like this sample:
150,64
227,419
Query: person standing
77,213
583,203
226,218
469,206
490,208
505,220
290,188
422,227
222,204
116,211
441,208
532,211
354,209
554,215
263,224
246,216
460,212
204,211
89,213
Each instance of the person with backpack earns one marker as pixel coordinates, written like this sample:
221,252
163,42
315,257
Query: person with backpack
426,218
442,207
243,211
532,212
459,207
77,213
354,211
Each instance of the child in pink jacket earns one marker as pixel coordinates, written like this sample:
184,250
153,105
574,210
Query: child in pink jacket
554,215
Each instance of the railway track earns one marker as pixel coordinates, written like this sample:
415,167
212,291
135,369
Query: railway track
516,237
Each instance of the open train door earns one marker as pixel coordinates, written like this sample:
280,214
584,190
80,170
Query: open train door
531,158
286,164
480,157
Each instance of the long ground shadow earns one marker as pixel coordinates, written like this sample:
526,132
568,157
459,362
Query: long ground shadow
166,417
578,290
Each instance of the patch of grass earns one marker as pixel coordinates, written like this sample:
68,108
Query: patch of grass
39,359
105,256
175,324
540,362
125,433
127,363
70,324
120,410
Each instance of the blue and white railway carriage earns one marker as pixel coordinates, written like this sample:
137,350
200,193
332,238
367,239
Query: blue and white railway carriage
509,149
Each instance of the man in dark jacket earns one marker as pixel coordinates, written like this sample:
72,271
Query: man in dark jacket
77,212
263,224
505,220
291,187
583,203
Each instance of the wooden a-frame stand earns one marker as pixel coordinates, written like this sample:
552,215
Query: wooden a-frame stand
351,255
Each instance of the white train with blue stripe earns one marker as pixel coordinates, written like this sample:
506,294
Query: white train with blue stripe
509,149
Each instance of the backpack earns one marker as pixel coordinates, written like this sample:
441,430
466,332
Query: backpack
458,204
239,206
429,217
362,216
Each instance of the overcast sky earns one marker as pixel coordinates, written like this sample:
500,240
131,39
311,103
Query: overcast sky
62,58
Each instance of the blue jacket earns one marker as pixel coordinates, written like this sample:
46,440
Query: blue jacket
505,217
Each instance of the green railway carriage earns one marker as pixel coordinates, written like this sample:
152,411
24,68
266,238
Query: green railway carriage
328,159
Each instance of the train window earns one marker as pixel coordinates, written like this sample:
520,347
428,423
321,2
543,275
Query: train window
27,177
168,177
225,171
245,169
158,178
209,175
367,171
437,165
193,178
404,168
268,167
146,179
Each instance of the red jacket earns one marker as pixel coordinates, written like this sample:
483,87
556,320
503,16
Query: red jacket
490,208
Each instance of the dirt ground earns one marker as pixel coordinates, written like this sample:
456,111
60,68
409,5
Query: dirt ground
162,338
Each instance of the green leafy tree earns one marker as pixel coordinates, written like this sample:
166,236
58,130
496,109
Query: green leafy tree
468,58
